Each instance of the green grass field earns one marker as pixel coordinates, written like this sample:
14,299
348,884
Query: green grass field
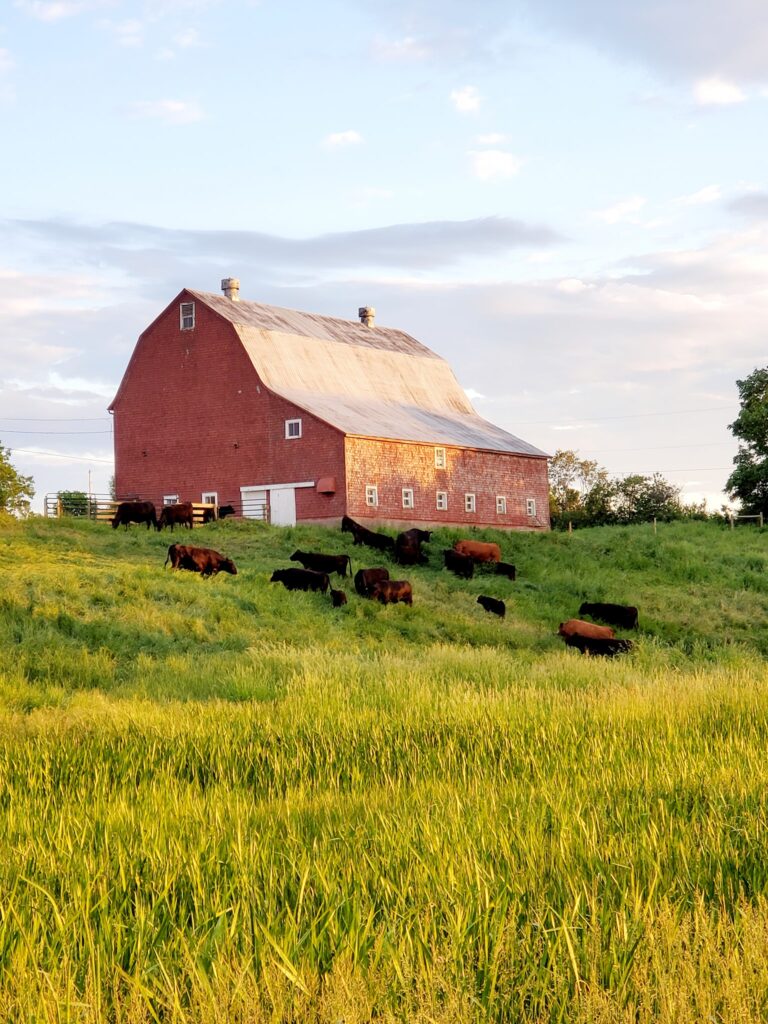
225,802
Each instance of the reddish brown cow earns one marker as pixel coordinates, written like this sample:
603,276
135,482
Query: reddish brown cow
206,561
578,627
392,591
365,579
182,513
479,550
134,512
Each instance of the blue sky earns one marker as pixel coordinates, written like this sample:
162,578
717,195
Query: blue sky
568,200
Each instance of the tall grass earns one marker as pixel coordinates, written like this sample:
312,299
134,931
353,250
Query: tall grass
224,802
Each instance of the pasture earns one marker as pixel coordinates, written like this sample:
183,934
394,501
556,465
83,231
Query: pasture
225,802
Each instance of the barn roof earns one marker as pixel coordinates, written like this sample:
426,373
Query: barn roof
366,381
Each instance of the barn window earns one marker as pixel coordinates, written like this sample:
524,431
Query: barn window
407,497
292,428
440,460
530,506
187,316
170,499
501,505
209,498
469,503
441,501
371,495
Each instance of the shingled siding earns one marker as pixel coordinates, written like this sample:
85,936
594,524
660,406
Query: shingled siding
392,466
192,416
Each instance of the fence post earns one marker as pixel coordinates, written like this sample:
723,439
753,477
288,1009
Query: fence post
570,526
654,524
761,520
731,519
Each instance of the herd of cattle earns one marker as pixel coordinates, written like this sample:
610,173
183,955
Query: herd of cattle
374,583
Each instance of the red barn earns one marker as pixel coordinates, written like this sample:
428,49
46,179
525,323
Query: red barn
308,418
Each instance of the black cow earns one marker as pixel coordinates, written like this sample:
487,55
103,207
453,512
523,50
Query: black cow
365,579
134,512
606,647
338,598
209,515
206,561
623,615
323,563
408,548
392,591
462,565
182,513
416,536
362,535
506,569
301,579
226,510
492,604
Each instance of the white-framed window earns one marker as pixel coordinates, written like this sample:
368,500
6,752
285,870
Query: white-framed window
530,506
407,497
501,505
371,495
440,458
209,498
186,316
292,429
170,499
469,503
441,501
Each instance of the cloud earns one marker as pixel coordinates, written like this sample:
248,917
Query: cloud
708,194
573,286
7,63
491,164
187,39
466,100
127,33
170,111
753,205
717,92
57,10
622,211
338,140
406,49
491,139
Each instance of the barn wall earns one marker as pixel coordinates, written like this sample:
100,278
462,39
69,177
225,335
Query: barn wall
395,465
192,416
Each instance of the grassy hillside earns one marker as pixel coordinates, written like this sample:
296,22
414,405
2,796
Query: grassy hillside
225,802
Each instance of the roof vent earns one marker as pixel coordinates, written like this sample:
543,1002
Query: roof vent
366,314
231,288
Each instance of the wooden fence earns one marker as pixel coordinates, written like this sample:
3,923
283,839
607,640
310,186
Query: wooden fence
102,509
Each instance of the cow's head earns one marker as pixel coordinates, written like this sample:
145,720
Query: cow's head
277,576
227,565
296,556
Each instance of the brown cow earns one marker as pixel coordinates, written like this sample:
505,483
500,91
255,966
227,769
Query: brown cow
479,550
392,591
365,579
578,627
134,512
461,565
182,513
206,561
338,598
606,647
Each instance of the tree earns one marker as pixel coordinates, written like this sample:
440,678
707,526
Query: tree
73,503
16,491
748,483
571,483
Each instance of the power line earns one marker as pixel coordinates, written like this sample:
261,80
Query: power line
657,448
60,455
632,415
55,433
57,419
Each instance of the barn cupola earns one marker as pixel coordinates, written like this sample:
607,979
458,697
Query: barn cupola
366,314
231,288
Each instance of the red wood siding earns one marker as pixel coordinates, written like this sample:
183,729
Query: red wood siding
193,416
393,465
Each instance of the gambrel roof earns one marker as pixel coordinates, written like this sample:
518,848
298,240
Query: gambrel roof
366,381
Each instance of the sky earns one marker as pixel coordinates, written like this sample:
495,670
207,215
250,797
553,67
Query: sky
567,199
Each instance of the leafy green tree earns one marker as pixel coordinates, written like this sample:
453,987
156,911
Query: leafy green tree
73,503
748,483
16,491
571,482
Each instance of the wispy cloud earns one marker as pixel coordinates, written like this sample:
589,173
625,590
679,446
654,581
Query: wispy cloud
717,92
491,139
170,111
491,164
622,211
127,33
406,49
338,140
188,38
466,100
708,194
57,10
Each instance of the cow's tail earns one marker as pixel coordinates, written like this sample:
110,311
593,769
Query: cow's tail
349,565
168,556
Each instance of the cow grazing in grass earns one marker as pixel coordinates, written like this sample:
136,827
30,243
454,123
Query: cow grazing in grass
492,604
323,563
622,615
461,565
338,598
365,579
226,510
578,627
206,561
362,535
508,570
301,579
606,647
134,512
392,591
479,550
181,514
408,548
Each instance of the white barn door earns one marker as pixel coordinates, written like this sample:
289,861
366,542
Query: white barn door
282,506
